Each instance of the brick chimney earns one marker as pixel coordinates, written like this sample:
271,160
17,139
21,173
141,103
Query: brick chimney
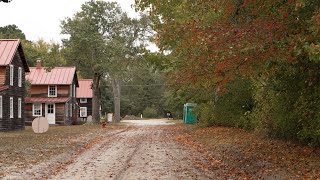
38,66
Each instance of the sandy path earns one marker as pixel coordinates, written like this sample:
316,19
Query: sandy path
140,152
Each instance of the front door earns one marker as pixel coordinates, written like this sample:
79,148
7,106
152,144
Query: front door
51,113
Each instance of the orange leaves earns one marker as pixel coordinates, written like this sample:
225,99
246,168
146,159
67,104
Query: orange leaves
231,44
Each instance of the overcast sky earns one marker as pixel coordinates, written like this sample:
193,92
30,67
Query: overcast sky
41,18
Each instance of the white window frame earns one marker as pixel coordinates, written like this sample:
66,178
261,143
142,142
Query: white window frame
85,111
56,91
33,110
20,77
1,108
83,100
19,107
11,107
11,74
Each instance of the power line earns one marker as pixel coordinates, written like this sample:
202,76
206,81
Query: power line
138,85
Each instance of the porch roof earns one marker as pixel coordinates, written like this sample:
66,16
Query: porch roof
2,88
47,99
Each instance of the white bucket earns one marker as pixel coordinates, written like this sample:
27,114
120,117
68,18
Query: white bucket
110,117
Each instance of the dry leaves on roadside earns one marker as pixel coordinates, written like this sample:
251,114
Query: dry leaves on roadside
237,153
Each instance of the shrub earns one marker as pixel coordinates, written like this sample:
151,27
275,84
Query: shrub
230,108
150,112
287,103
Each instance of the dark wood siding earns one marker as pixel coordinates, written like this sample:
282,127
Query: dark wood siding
2,75
88,105
15,123
60,112
28,113
42,90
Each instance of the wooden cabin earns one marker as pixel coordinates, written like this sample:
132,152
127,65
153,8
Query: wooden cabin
84,98
52,94
13,66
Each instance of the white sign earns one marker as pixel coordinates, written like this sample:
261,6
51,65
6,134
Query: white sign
40,125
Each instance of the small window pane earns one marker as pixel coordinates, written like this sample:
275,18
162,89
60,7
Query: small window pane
37,108
11,107
11,75
52,91
20,77
83,111
19,108
50,108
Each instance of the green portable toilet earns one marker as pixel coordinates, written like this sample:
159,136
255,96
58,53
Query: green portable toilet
189,116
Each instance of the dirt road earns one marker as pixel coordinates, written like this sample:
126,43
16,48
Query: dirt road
139,152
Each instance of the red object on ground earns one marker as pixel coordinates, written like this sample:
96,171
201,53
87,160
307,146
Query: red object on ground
104,124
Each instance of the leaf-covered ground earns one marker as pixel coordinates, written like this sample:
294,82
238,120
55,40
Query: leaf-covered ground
23,149
233,152
215,153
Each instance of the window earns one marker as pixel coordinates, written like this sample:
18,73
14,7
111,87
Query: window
83,111
11,75
52,91
83,100
20,77
37,110
1,107
50,109
19,107
11,107
71,110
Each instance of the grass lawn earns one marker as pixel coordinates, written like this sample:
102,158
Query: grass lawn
24,148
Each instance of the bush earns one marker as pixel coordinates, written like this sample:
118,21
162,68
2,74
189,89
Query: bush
288,103
230,108
150,112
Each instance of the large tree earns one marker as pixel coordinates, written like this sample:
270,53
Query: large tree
216,40
273,42
49,52
11,32
103,42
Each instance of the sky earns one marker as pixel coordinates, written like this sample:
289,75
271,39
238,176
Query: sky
42,18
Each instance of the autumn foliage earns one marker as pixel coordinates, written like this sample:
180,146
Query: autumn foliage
274,44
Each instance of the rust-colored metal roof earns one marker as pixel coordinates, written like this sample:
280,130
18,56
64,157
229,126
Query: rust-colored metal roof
8,48
55,76
84,90
47,99
2,88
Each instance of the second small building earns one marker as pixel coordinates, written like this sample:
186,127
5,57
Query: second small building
52,94
84,98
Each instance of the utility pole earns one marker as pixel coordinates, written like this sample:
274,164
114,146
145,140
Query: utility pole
5,1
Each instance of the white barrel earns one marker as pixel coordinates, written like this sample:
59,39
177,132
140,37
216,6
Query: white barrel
110,117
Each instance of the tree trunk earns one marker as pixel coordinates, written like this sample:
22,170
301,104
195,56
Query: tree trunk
96,98
116,98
